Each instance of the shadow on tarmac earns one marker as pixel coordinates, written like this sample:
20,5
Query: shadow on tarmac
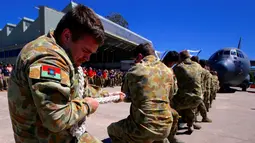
227,90
251,91
107,140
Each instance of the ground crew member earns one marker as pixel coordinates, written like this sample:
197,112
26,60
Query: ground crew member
147,86
44,94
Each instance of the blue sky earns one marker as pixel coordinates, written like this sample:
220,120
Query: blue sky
170,24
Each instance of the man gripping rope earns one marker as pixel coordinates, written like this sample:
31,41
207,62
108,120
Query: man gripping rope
48,95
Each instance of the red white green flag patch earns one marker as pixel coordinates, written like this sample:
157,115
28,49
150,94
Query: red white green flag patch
50,72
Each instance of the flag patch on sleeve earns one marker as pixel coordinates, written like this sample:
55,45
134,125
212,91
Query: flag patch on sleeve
34,72
51,72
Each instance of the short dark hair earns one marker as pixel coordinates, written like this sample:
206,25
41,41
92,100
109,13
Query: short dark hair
195,59
184,55
171,56
145,49
203,63
81,20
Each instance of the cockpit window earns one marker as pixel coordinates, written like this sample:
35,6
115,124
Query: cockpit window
233,53
240,54
216,55
226,52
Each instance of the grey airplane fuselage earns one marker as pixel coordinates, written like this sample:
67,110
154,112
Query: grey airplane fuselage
232,66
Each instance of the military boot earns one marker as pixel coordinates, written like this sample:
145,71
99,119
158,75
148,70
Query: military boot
196,126
206,120
190,129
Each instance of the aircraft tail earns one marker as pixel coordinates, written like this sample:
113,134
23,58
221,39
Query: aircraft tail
239,44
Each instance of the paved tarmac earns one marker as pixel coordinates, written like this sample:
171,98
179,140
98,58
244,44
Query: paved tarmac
233,116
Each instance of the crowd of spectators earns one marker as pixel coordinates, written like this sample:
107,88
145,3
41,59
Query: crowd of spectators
104,77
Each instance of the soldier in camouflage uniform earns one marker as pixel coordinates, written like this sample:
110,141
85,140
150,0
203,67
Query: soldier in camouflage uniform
188,97
172,58
147,86
205,86
44,92
216,87
207,77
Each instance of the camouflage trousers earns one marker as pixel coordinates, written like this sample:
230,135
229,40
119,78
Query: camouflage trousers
207,101
174,127
86,138
187,107
213,96
202,110
127,131
5,82
186,102
1,84
188,116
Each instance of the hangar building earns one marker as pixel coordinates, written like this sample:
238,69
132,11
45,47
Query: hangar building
117,49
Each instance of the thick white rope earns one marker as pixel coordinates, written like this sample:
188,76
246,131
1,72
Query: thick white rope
77,130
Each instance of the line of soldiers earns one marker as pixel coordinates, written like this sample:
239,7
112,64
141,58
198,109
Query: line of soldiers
48,94
104,78
188,87
210,85
194,90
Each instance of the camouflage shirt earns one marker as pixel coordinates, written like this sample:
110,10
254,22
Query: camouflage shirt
206,82
189,94
43,96
215,83
148,86
174,87
188,74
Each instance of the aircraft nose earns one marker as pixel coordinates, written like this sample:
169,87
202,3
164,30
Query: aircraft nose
224,69
221,68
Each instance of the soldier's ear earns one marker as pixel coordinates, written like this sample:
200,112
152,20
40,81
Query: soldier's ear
140,56
66,35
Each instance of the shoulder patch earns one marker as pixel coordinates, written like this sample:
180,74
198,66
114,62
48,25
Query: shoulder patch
51,72
35,72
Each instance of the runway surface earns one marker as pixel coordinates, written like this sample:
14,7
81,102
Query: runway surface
233,116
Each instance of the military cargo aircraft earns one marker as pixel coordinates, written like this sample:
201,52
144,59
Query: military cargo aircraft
232,66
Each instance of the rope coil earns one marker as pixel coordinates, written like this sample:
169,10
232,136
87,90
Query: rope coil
78,130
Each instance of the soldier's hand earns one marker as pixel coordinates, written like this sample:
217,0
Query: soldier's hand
93,104
122,96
